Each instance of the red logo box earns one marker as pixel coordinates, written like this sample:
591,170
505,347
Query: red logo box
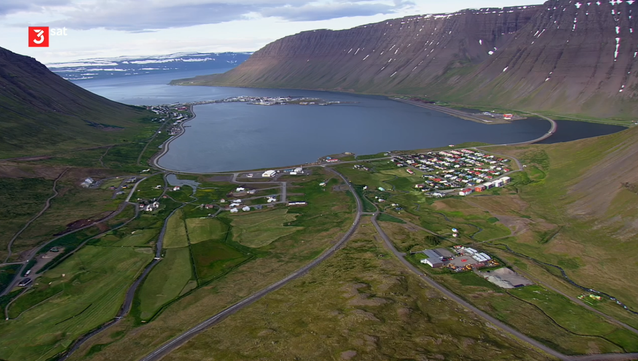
38,36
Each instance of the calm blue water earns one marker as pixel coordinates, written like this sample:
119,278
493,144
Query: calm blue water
236,136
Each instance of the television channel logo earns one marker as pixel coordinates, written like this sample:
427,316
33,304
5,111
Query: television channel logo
38,36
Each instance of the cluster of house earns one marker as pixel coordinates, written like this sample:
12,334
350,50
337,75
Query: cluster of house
166,111
361,167
149,206
445,160
485,186
454,169
460,259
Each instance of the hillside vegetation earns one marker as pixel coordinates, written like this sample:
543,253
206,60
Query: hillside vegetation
41,113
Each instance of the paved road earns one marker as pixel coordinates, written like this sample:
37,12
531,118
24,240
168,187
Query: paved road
34,251
130,294
47,204
489,318
184,337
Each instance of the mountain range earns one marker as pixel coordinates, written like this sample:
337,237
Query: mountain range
571,57
97,68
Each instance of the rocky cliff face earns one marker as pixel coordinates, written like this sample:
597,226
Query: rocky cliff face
40,110
566,55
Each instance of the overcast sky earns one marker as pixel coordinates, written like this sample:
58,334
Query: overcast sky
109,28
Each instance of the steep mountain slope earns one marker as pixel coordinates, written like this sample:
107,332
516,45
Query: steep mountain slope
40,111
572,57
565,55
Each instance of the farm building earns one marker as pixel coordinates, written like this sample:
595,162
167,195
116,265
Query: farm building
87,182
436,257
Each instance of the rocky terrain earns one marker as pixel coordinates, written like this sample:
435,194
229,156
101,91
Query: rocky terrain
566,56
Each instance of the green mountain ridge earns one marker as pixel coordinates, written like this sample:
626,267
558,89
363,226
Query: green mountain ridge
40,112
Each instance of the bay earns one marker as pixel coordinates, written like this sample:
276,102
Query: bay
239,136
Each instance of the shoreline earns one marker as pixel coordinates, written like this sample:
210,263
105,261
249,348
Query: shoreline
166,145
452,112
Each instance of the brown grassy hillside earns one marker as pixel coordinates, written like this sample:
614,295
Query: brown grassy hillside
562,57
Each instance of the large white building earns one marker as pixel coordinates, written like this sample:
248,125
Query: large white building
269,174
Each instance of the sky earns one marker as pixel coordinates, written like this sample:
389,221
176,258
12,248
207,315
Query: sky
111,28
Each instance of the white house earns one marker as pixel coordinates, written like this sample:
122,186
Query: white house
87,182
271,199
245,209
234,210
240,189
269,174
298,170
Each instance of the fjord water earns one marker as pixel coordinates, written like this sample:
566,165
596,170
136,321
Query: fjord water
239,136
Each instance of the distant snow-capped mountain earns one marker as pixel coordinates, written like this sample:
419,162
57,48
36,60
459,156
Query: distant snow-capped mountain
97,68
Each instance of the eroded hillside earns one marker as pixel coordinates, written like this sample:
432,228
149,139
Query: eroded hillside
564,56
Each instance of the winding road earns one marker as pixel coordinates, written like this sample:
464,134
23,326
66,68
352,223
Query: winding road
492,320
47,204
194,331
184,337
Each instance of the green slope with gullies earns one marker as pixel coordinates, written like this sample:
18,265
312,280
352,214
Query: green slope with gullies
40,112
581,207
564,57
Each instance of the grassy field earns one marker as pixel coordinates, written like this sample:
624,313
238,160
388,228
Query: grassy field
136,238
148,188
72,204
384,217
258,229
334,210
182,195
7,273
204,229
215,258
175,236
542,314
376,311
165,282
81,293
21,200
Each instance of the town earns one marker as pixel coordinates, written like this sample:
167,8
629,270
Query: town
465,170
